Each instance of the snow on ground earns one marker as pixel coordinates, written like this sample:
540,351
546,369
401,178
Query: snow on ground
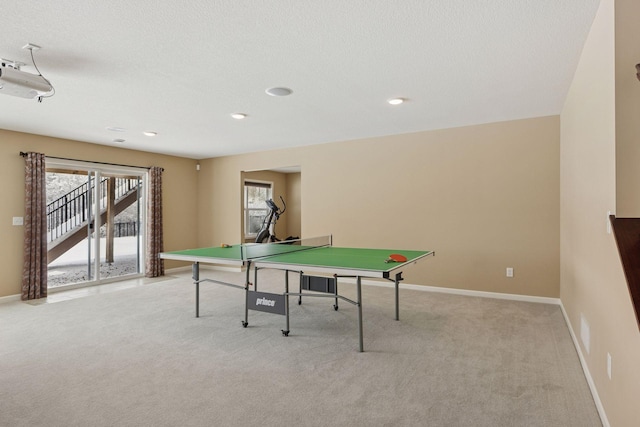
71,267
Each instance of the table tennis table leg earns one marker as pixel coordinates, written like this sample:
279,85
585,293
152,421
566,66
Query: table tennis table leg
397,281
195,275
285,331
359,290
335,291
255,278
245,323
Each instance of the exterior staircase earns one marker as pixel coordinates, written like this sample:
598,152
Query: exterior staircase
67,219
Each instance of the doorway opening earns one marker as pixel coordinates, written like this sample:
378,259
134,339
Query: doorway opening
283,185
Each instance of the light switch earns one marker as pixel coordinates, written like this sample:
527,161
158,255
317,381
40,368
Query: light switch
18,220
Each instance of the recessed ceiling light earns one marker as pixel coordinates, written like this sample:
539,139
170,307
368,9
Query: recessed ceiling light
396,101
238,116
279,91
116,129
150,133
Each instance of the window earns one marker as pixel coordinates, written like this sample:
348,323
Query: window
256,195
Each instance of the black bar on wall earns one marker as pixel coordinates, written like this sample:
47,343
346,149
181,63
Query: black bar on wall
23,154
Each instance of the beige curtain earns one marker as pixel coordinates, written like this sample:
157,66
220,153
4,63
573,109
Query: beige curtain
154,266
34,270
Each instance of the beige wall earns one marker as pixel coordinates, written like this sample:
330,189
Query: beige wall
294,204
483,197
627,51
593,286
179,193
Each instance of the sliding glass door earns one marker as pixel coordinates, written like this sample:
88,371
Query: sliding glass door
121,225
95,223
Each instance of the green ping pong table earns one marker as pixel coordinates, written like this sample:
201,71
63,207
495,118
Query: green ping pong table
302,256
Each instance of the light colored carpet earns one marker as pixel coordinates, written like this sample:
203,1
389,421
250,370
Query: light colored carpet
139,357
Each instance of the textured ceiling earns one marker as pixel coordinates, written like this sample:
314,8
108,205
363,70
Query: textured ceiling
181,68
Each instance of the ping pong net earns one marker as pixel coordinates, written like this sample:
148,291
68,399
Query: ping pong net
263,250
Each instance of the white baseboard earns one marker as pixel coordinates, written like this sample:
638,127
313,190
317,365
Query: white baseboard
222,268
482,294
178,270
585,368
9,298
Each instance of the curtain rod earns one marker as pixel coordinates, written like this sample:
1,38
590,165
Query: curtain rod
23,154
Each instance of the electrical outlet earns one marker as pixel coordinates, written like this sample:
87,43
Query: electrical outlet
609,365
509,271
18,220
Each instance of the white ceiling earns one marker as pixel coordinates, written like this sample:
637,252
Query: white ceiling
181,68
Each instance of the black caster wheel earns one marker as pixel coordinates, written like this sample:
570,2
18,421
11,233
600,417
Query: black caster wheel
335,307
285,333
245,324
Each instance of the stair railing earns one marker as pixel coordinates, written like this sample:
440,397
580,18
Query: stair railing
70,210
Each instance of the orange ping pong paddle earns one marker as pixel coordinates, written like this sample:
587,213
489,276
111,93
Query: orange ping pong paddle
396,258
